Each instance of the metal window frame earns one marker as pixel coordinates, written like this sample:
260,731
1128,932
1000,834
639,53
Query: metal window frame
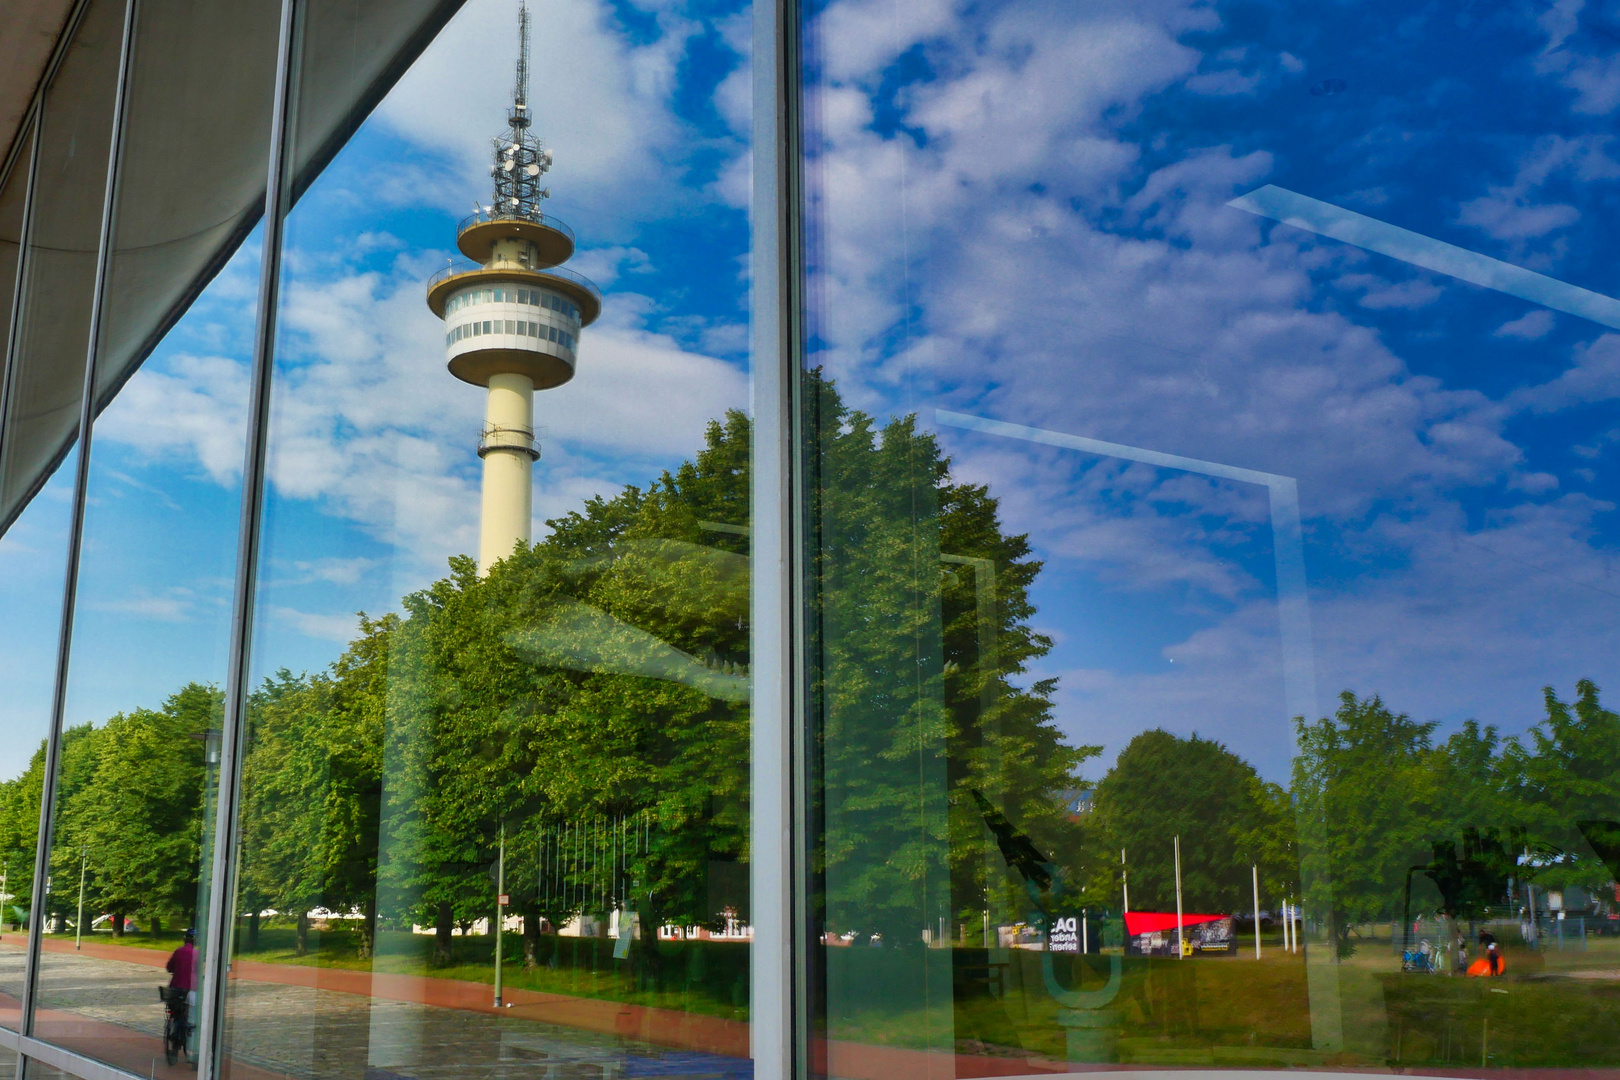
778,1010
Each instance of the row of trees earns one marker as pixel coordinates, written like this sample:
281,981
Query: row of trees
587,702
130,794
1375,801
599,678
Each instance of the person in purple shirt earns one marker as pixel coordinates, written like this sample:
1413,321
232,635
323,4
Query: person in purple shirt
182,967
183,964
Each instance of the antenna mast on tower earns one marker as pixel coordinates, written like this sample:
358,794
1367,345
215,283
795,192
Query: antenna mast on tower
520,158
520,92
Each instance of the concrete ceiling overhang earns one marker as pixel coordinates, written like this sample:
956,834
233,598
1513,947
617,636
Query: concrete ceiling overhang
28,33
191,187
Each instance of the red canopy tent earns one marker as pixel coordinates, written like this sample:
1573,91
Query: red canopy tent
1146,922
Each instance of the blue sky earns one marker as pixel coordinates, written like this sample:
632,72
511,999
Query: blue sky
1020,212
1022,215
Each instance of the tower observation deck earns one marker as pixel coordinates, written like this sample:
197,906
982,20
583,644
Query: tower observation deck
513,315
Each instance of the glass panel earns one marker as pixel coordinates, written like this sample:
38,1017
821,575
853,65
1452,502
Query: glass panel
133,825
497,820
37,445
134,818
24,719
33,570
1212,470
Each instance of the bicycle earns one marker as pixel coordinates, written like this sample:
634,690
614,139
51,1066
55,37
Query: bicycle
176,1024
1425,958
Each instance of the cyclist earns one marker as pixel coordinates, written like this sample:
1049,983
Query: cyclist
182,968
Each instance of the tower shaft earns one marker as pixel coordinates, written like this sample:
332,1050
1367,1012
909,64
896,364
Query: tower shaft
507,506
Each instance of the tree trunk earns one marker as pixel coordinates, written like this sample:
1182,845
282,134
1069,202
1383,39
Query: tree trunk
157,926
303,933
368,929
253,931
118,924
444,921
531,935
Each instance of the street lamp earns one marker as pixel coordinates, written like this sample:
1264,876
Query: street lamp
78,923
501,900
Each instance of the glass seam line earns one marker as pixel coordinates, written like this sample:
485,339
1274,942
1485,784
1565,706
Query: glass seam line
222,873
15,315
64,641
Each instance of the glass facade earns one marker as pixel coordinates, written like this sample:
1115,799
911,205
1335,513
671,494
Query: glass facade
866,539
1208,533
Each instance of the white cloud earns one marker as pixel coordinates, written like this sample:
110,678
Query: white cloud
1530,326
187,408
604,265
337,571
1379,294
1594,377
175,605
735,100
337,628
1515,211
1595,79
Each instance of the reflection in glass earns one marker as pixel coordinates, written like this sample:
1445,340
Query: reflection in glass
498,819
33,568
37,457
17,830
1213,406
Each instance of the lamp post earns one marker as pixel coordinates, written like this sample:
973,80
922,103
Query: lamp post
1124,882
78,923
1255,869
500,910
1181,950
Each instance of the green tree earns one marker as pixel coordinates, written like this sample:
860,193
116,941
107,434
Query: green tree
920,614
1164,786
134,812
1363,788
1565,773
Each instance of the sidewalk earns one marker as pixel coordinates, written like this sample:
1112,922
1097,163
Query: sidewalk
660,1027
665,1028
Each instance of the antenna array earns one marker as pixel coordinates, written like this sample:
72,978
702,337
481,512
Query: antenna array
520,158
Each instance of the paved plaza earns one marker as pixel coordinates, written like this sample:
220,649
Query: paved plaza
316,1034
